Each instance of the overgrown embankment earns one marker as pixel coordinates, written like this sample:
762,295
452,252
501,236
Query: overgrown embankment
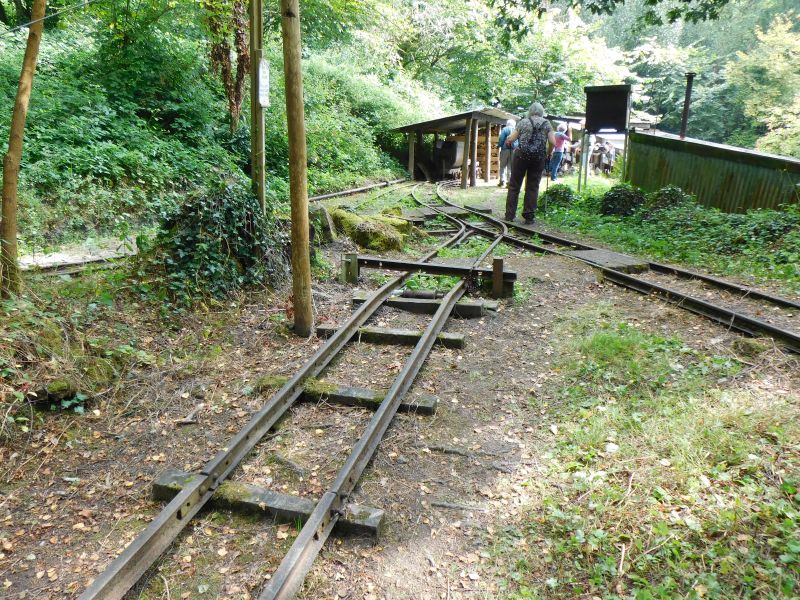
117,136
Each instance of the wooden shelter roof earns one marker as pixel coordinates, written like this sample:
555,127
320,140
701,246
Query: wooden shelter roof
457,123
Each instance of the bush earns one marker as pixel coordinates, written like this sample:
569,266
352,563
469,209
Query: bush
218,241
667,197
622,200
559,195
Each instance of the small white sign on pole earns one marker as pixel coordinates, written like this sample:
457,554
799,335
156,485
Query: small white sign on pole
263,83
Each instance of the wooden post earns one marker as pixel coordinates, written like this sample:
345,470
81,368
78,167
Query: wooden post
9,269
411,158
497,278
587,158
499,128
298,184
487,160
350,270
582,163
466,153
473,170
625,158
257,172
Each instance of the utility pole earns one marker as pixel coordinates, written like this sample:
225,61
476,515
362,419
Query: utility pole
298,184
259,98
9,269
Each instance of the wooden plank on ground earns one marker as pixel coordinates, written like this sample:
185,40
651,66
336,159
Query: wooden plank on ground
465,309
254,500
611,260
384,335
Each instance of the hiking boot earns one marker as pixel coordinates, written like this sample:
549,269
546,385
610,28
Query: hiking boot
529,221
501,184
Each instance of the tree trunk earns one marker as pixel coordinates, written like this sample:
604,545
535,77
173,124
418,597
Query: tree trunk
298,185
9,270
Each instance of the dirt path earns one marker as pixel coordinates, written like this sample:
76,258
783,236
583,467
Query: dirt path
78,254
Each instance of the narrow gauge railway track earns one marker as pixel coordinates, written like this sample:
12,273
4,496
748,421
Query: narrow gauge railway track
132,564
732,319
113,262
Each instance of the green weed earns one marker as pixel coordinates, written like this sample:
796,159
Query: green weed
662,477
421,281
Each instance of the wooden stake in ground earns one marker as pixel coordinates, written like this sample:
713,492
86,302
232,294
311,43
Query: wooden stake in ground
9,270
298,185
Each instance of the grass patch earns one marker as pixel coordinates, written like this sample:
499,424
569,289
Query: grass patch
473,248
764,244
664,480
421,281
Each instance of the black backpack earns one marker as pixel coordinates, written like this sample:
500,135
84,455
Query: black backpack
534,145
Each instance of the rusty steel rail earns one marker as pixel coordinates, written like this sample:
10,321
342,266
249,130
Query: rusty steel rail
125,570
724,316
357,190
745,291
291,573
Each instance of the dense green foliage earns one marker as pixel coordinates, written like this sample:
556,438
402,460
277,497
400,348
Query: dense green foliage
559,194
668,224
747,90
217,241
117,137
621,200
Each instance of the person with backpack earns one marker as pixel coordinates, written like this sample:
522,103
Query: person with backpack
506,153
530,158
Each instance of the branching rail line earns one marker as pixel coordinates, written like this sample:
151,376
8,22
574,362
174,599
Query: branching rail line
726,317
124,571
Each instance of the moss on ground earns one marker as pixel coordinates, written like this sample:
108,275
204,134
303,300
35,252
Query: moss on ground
269,382
231,493
379,233
318,388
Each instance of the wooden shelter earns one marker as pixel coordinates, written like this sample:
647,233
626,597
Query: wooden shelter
476,131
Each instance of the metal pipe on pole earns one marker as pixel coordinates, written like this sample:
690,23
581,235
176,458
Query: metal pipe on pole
687,100
257,101
298,157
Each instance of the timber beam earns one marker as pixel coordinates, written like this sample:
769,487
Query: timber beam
465,309
317,390
376,262
383,335
284,508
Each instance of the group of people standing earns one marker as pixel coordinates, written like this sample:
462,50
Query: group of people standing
523,153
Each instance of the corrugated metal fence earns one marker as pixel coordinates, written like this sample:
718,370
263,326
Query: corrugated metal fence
732,179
